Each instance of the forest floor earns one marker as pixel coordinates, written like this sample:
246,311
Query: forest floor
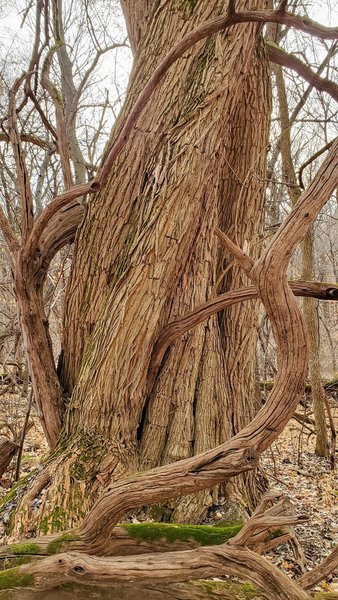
311,485
291,467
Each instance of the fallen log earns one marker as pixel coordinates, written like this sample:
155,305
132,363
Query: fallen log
208,561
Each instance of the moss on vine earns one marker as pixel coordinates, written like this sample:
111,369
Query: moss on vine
12,493
12,578
90,449
15,561
24,548
205,535
56,545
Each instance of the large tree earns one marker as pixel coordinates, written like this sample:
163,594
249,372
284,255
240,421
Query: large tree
146,253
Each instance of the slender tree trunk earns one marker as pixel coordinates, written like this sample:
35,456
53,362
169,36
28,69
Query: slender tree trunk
310,313
312,323
38,348
146,253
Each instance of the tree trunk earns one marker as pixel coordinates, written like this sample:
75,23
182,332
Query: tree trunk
146,253
38,348
7,450
312,329
306,246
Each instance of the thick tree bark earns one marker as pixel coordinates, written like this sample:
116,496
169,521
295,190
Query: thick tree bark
147,253
204,562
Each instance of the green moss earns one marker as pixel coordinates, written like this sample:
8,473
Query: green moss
44,525
26,548
205,535
16,561
90,448
10,524
195,89
55,546
12,493
12,578
275,534
192,4
54,521
229,523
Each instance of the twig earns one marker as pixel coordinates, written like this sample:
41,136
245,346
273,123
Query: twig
23,435
310,160
242,258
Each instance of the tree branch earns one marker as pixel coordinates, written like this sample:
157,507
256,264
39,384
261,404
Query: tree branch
310,160
27,137
23,179
321,571
181,325
242,258
205,30
279,56
61,129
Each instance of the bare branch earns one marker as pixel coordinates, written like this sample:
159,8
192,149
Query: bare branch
310,160
201,563
321,571
181,325
59,203
61,128
27,137
242,258
232,7
21,167
90,70
279,56
282,6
